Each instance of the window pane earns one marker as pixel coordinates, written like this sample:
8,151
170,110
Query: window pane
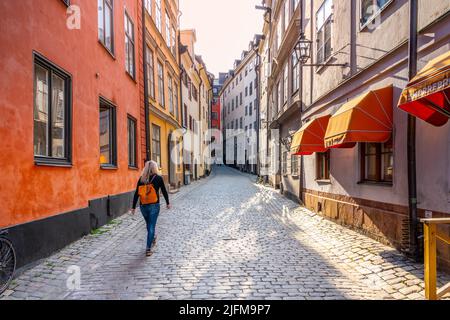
156,144
388,166
101,21
108,27
41,112
58,116
371,168
371,148
132,142
327,45
387,162
105,135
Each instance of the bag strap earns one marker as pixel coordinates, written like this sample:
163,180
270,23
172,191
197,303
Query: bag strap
147,189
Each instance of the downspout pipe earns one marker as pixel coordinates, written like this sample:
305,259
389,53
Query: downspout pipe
302,163
268,111
146,93
411,135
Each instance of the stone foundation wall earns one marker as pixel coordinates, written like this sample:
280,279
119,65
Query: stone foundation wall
387,223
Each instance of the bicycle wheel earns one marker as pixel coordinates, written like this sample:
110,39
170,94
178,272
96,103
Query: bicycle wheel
7,263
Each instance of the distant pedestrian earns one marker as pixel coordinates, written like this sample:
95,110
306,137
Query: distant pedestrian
147,191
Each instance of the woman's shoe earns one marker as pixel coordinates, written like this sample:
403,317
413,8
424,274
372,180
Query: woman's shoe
148,253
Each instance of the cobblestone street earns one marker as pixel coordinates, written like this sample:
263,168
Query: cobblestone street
226,237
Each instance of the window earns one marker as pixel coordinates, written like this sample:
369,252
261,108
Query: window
108,150
284,163
232,105
132,134
323,25
250,109
194,92
52,113
185,116
294,165
214,116
129,46
168,37
285,84
156,144
170,93
240,123
175,98
236,124
250,90
174,41
250,128
158,15
279,35
240,99
105,24
279,96
323,165
246,110
295,73
371,8
377,162
150,72
286,15
161,97
246,91
237,101
148,6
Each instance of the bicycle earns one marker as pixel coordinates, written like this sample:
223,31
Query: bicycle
7,261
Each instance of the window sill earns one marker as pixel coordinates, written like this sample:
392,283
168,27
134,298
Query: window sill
133,78
323,181
133,168
51,162
108,167
106,48
376,183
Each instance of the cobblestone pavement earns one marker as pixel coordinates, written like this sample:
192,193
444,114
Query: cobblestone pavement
226,237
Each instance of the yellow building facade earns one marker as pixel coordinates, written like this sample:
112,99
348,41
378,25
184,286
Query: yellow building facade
162,85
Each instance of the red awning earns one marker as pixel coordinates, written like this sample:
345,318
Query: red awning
427,96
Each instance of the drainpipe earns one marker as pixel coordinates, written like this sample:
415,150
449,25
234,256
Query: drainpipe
200,115
411,136
146,103
182,104
257,71
268,111
300,93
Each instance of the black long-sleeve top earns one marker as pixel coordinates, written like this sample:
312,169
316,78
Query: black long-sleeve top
158,184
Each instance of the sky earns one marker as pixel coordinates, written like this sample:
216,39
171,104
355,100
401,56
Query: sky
224,29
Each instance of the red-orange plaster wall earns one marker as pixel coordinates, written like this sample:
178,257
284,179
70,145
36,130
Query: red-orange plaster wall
27,191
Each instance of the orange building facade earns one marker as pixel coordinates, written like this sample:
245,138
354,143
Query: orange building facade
70,119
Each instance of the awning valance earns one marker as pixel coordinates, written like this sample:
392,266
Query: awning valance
309,138
367,118
427,96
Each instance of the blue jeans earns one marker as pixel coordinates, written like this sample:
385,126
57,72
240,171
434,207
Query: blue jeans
150,213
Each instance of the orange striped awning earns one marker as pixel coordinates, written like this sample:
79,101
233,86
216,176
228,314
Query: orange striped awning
367,118
309,138
427,96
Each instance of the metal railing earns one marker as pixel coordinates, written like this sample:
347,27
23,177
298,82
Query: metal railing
431,235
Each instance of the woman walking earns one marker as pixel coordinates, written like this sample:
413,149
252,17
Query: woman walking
147,191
